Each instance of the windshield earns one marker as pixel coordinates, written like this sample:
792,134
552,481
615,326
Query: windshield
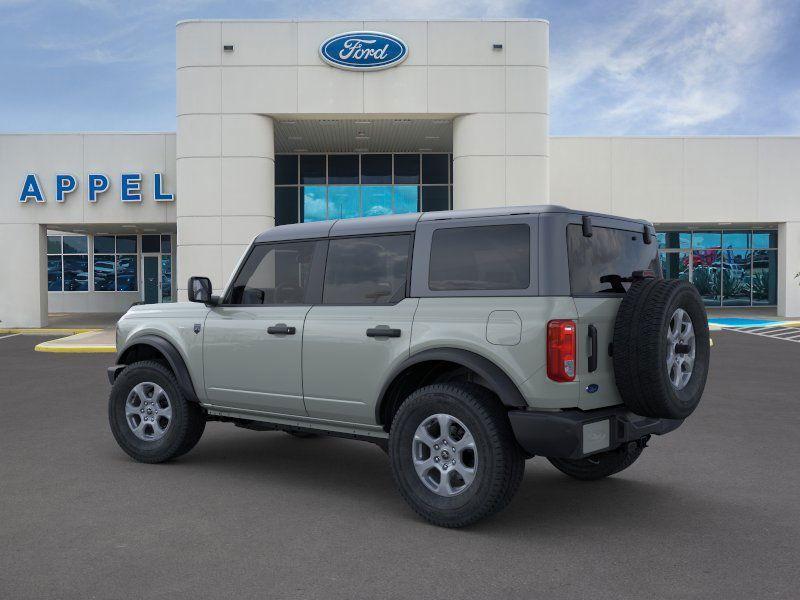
597,264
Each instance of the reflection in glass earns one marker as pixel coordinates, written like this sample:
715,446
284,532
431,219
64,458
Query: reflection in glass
765,277
104,244
343,168
54,244
104,272
376,168
75,244
736,239
707,239
343,201
126,274
434,197
166,278
765,239
376,200
76,273
54,279
406,168
736,278
126,244
313,203
706,275
166,244
312,168
674,239
406,199
675,265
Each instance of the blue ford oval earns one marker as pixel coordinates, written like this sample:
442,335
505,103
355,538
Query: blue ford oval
363,50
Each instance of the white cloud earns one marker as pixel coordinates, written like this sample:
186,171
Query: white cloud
670,68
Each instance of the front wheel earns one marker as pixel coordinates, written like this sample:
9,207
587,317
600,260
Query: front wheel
149,416
453,454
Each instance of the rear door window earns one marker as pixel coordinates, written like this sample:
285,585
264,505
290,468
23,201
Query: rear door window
366,270
490,257
607,253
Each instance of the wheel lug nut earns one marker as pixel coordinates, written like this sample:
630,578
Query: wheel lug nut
435,459
454,461
445,467
436,446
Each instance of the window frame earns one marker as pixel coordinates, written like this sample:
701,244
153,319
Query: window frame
394,300
313,288
89,264
117,255
420,273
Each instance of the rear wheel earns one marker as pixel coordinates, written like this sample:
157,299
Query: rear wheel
600,465
149,416
454,457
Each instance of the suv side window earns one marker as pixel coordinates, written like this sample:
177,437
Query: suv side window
366,270
274,274
488,257
607,252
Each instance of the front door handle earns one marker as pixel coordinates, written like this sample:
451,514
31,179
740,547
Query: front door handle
383,331
593,348
281,329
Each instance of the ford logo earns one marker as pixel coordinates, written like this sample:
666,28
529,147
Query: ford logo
363,50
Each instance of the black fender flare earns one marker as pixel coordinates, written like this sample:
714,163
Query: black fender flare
170,353
496,377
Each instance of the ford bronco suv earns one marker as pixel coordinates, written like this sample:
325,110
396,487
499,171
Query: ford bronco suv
462,342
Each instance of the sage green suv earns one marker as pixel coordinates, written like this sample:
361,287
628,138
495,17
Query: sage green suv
461,342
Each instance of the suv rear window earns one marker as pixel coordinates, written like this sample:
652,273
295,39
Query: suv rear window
366,270
489,257
607,252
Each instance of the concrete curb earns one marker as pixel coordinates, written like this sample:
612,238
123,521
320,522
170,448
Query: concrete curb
46,331
62,349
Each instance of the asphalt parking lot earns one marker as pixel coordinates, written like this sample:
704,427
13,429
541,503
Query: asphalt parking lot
710,511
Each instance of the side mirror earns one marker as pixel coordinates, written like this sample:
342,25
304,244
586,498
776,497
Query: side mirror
200,290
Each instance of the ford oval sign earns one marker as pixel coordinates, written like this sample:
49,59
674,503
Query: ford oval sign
363,50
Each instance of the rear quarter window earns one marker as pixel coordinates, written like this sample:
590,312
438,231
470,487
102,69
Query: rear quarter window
490,257
607,252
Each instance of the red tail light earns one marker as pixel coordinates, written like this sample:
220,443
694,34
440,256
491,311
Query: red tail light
561,350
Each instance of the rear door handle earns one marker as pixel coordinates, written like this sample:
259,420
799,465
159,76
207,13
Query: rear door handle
593,346
383,331
281,329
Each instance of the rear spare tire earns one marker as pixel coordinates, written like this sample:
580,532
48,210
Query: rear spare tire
661,348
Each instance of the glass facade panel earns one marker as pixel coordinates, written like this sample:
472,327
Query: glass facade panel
104,244
736,239
54,276
376,168
286,206
706,275
286,169
54,244
376,200
151,243
674,239
707,239
675,265
166,244
406,168
435,197
434,168
313,203
312,168
75,244
406,199
126,274
765,277
126,244
104,273
343,168
765,239
76,273
736,277
343,202
166,278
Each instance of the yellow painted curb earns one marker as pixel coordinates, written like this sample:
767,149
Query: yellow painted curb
44,347
46,331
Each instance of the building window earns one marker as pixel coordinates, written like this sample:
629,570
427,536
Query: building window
115,260
737,267
317,187
67,263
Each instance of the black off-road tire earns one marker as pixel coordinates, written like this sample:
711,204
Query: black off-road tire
185,429
500,465
600,465
640,348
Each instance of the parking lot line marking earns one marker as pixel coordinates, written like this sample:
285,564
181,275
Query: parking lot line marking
2,337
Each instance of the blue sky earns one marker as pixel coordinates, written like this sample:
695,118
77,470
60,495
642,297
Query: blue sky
672,67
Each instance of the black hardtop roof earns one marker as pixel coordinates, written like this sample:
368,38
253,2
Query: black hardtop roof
408,222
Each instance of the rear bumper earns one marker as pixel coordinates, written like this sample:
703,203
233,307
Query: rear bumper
578,433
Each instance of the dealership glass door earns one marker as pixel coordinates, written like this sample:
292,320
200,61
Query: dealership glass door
156,268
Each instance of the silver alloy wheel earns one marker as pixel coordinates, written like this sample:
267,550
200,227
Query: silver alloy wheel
148,411
444,454
680,349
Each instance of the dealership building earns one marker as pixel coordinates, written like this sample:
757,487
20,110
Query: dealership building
290,121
